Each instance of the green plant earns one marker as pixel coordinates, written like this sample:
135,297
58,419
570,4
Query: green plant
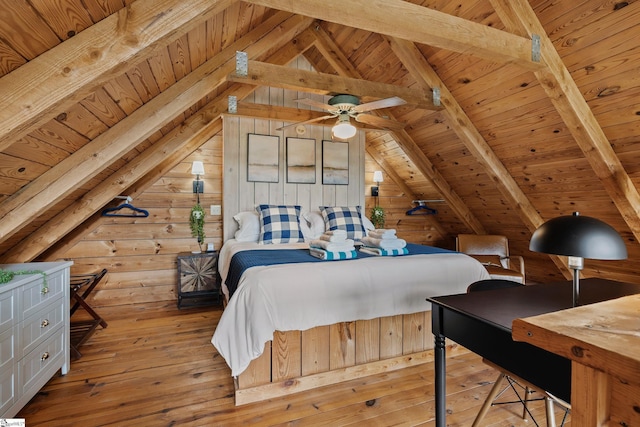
196,222
377,216
6,276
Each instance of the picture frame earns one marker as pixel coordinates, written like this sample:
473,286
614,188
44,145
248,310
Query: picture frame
335,163
301,160
263,158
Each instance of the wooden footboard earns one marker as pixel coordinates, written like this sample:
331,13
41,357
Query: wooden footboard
302,360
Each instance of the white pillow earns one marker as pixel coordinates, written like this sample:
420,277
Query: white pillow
316,221
304,227
248,226
368,225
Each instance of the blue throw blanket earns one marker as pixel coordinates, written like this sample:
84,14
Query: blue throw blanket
255,257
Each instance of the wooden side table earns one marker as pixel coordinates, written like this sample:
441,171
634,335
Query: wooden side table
198,279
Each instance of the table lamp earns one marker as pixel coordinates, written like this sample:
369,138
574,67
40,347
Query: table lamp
578,237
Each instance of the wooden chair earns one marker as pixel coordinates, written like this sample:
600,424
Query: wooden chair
493,252
513,381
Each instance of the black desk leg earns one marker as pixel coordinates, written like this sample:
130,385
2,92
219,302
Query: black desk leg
441,380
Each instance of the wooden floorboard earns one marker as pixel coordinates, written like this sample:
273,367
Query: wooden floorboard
154,365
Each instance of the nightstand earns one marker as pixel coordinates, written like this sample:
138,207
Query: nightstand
198,279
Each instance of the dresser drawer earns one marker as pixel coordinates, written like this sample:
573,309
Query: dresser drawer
37,367
7,388
7,349
8,314
41,325
33,296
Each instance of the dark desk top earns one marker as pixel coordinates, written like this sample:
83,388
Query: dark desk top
501,307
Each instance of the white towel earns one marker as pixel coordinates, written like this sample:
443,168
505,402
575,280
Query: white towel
344,246
381,233
337,233
384,243
333,237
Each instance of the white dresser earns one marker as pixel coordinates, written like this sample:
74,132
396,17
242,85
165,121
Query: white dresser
34,331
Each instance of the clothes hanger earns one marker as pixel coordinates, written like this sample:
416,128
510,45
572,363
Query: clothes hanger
422,209
133,211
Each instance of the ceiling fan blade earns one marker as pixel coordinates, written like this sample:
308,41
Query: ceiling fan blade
317,119
316,104
382,103
380,122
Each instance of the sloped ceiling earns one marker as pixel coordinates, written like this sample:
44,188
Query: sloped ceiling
101,96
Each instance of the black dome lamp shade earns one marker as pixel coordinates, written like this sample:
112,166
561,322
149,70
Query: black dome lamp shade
578,237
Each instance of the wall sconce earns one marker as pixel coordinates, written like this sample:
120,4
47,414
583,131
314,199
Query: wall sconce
197,169
343,128
377,178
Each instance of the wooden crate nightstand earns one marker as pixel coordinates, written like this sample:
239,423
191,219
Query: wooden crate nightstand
198,279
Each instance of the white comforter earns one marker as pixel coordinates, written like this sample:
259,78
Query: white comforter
301,296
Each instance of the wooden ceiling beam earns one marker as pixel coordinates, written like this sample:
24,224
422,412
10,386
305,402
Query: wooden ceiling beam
273,112
519,17
342,65
461,124
287,114
67,73
260,73
416,23
85,163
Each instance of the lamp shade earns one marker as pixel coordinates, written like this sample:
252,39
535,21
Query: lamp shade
578,236
343,128
377,177
197,168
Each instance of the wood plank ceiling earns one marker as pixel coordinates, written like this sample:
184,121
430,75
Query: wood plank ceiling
101,97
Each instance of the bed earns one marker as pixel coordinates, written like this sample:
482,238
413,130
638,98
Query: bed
291,327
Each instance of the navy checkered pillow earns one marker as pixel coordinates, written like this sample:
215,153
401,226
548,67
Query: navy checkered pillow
346,218
279,224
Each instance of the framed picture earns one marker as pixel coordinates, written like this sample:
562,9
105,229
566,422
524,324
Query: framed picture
263,158
301,160
335,162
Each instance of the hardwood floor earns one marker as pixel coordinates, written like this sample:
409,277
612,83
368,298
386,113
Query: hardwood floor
154,365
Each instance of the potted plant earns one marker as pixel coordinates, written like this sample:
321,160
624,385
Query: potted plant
377,216
196,222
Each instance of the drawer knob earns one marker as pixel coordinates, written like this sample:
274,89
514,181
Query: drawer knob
44,323
45,356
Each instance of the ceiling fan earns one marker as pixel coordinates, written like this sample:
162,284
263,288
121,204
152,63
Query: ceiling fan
344,107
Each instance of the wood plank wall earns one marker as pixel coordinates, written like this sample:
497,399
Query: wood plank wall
241,195
395,202
140,253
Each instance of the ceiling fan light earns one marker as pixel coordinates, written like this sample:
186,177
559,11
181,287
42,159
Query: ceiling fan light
343,128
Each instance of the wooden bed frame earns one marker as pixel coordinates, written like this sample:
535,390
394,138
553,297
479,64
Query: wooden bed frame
296,361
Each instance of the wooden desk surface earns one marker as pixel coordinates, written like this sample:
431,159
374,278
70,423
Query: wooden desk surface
604,336
603,342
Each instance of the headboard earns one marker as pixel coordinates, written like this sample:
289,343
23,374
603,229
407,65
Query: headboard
240,194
